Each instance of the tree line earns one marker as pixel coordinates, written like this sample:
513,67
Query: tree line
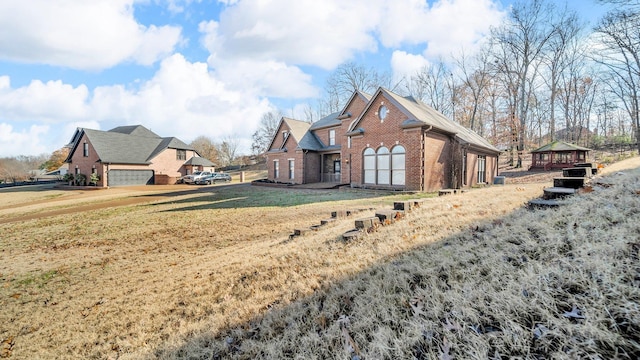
542,76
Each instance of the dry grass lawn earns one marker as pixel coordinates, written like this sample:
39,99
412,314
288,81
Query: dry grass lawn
209,272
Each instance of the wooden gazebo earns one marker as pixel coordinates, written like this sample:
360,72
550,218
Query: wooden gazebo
557,155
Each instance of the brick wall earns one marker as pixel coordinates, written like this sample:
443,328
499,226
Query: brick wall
389,133
323,135
166,163
86,164
283,158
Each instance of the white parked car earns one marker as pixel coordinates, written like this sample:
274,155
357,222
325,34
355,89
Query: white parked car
191,179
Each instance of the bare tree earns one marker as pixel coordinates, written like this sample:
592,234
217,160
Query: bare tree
228,150
206,148
563,51
619,33
266,130
348,78
476,78
433,84
522,41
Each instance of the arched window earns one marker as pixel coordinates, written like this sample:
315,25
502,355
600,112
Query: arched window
383,166
398,165
369,166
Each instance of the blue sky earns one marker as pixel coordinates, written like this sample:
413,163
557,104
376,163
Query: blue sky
186,68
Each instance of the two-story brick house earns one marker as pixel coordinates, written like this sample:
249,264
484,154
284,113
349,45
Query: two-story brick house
382,141
132,155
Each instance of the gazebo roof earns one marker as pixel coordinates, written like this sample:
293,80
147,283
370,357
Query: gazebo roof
559,146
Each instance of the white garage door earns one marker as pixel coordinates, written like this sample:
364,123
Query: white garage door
130,177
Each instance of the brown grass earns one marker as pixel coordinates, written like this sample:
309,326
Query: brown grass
209,272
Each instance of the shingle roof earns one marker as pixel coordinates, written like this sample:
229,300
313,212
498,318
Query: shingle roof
327,121
559,146
310,142
128,144
297,127
422,114
199,161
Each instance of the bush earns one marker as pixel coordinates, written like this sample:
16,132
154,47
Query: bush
81,179
94,178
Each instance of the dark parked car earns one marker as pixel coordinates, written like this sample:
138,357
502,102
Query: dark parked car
214,178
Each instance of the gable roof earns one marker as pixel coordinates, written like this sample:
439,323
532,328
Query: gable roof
327,121
420,114
297,129
365,97
199,161
126,144
559,146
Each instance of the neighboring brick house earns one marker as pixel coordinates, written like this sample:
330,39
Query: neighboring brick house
132,155
383,141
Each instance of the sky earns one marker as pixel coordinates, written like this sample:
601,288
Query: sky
187,68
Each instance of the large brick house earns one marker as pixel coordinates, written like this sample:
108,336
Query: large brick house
132,155
382,141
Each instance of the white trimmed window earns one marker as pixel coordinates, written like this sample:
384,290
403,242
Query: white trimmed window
383,164
383,167
291,168
397,165
482,169
276,169
332,137
369,166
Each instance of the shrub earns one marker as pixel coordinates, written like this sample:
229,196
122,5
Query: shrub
81,179
94,178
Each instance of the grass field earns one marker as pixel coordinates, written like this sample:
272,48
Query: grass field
210,272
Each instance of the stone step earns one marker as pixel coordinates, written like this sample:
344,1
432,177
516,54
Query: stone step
368,224
389,216
352,235
577,172
451,191
569,182
404,205
557,192
594,167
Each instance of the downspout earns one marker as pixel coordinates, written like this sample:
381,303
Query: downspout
423,157
350,184
304,169
107,175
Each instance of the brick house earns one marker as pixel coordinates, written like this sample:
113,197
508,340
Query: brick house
382,141
132,155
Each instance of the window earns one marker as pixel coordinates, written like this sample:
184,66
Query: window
464,168
291,167
482,169
181,154
369,166
384,167
276,169
383,164
86,150
349,142
332,137
397,165
382,112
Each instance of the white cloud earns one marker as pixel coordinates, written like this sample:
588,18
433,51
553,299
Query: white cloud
30,141
447,26
405,65
49,102
80,34
182,99
301,32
